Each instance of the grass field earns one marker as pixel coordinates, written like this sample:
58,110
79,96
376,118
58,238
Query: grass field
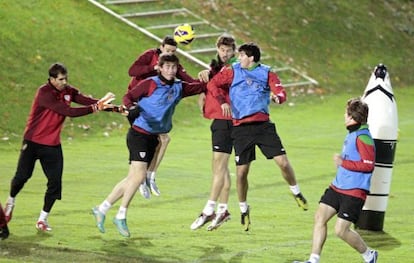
280,231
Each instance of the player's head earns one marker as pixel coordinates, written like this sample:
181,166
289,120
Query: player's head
249,54
168,65
357,110
168,45
226,47
58,75
57,68
251,50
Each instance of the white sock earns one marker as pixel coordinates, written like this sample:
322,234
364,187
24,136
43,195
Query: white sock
314,258
11,200
43,216
104,207
221,208
151,175
209,207
121,213
294,189
243,207
366,255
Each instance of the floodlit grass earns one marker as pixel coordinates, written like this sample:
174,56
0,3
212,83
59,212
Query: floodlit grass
330,40
280,231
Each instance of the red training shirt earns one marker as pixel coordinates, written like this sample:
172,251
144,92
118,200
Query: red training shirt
49,110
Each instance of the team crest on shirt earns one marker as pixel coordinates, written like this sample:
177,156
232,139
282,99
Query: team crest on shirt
249,81
170,96
142,154
67,97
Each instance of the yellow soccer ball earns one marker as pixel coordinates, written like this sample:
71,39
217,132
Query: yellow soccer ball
184,34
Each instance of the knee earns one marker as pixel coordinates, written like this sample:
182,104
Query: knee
340,231
282,161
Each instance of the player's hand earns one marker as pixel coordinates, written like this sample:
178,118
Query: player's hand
204,75
117,108
105,101
337,160
123,110
275,99
225,107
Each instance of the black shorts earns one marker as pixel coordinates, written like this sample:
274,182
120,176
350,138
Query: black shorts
347,207
221,136
141,146
247,136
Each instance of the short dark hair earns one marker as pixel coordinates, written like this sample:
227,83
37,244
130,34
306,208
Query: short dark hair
358,110
57,68
251,49
169,40
168,58
226,40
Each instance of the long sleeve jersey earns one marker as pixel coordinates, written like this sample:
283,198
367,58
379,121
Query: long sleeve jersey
49,110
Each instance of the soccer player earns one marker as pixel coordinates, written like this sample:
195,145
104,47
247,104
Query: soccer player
146,65
41,139
156,98
222,144
250,85
346,195
4,230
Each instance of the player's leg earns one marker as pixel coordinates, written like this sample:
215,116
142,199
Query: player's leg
4,230
244,148
217,183
348,214
138,143
242,186
51,159
320,229
164,140
220,185
220,188
24,172
136,175
271,146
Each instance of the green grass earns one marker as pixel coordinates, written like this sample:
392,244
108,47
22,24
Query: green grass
330,40
280,231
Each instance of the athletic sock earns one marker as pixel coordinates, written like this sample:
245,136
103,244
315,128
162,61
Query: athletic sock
221,208
151,175
243,207
366,255
209,207
294,189
11,200
104,207
314,258
121,213
43,216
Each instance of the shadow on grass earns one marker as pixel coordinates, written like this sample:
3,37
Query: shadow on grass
379,239
215,254
128,250
28,249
